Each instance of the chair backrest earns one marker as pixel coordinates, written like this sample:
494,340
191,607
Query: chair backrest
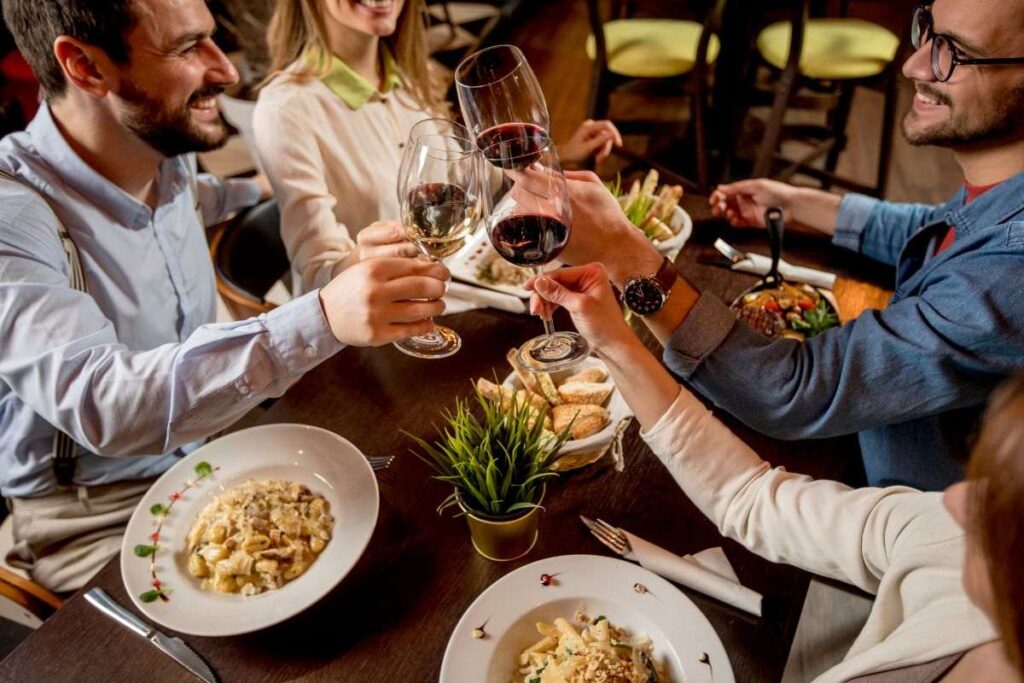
239,114
249,256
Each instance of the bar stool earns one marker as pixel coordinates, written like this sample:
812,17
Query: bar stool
659,58
819,63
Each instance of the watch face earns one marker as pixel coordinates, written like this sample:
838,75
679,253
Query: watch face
643,296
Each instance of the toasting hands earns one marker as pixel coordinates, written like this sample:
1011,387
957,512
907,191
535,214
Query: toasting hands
385,299
586,293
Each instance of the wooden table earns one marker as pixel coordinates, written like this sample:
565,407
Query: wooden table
390,619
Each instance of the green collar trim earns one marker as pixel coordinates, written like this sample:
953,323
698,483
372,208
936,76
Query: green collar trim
353,89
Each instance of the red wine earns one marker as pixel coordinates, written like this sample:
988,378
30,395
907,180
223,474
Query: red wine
529,239
513,145
438,218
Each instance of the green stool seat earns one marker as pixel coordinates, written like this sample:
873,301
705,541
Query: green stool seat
834,49
652,48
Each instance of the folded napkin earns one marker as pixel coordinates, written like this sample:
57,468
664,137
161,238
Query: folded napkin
707,572
462,297
760,265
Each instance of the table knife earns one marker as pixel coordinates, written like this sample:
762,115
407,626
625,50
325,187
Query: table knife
175,648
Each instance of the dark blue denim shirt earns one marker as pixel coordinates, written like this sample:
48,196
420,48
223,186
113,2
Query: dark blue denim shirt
912,379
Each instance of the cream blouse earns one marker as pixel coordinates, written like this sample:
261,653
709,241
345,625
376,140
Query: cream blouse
331,148
897,543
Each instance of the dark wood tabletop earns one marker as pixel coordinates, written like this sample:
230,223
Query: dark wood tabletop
389,620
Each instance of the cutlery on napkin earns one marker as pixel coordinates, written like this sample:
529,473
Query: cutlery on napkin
461,297
707,572
757,264
175,648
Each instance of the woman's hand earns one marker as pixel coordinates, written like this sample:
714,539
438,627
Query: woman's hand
591,139
585,292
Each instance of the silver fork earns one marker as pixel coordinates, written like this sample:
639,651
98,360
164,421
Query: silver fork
380,462
609,535
730,252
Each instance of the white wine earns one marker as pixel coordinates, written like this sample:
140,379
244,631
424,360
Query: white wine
439,217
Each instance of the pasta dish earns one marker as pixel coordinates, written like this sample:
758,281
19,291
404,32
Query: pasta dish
600,652
258,536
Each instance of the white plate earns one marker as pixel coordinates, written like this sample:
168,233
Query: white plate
325,462
616,405
510,607
478,251
682,226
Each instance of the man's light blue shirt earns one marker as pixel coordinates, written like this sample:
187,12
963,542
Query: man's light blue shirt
134,371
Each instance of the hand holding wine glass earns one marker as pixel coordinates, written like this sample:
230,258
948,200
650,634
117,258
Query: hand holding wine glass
529,226
440,202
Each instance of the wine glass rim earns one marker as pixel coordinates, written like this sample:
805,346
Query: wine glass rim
435,120
418,141
461,68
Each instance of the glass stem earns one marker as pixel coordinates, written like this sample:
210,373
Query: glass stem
432,337
546,314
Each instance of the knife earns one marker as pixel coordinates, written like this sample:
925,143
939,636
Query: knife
174,648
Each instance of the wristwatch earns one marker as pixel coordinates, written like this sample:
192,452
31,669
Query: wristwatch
647,294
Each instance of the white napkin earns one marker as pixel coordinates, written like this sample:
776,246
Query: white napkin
708,572
760,265
461,297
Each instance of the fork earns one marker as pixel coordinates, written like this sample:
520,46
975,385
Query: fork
730,252
609,535
380,462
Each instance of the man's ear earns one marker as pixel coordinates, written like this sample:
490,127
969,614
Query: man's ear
85,66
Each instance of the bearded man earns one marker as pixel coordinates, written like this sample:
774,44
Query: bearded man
911,379
111,366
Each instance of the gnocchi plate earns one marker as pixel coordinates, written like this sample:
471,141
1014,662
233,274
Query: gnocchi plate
157,555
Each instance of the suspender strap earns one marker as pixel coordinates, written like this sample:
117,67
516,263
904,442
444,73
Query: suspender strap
65,450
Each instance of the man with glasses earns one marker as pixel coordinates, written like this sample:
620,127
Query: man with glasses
911,379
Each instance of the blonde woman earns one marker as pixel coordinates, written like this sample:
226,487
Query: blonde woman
351,78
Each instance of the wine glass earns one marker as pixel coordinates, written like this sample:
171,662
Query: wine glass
502,102
528,224
440,204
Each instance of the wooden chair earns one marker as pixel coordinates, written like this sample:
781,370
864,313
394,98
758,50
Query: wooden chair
25,602
658,58
460,27
248,258
818,63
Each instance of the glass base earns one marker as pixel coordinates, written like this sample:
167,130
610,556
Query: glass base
439,343
548,353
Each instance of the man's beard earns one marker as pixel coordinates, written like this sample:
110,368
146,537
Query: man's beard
170,130
1002,120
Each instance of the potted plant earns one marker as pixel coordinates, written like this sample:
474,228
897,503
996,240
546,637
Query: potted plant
498,459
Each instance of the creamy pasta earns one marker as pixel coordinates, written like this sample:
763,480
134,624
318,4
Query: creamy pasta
258,536
598,653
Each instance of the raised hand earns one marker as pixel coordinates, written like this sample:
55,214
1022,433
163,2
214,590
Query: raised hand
591,139
585,292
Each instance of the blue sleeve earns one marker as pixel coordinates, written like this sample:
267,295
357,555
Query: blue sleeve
943,350
879,229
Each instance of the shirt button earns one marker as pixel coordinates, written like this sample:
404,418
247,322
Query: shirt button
244,389
310,352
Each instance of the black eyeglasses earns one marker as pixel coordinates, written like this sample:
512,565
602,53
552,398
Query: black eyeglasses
945,55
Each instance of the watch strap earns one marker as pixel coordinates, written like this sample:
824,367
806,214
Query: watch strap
667,275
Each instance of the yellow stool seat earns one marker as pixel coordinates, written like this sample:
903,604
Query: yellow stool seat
652,48
834,49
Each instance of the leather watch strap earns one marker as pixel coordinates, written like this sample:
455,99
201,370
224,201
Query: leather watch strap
667,275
